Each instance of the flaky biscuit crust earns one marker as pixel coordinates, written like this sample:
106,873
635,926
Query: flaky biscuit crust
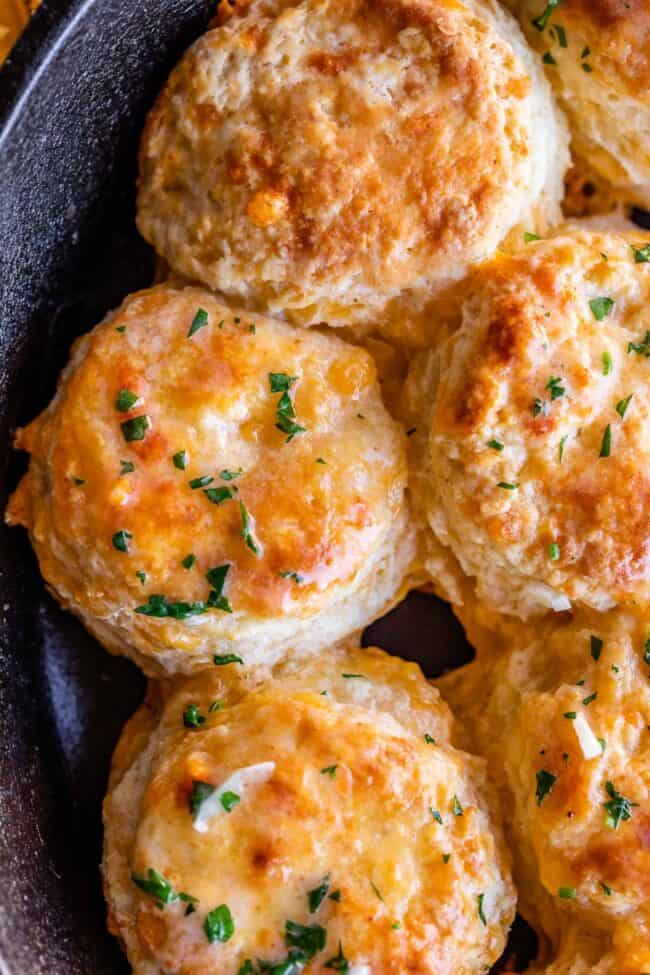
322,159
313,529
535,469
599,62
350,798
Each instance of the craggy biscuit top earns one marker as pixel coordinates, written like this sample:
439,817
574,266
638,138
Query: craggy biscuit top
538,447
198,464
318,158
597,54
303,819
567,732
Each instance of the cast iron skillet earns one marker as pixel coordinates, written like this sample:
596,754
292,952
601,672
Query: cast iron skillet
73,98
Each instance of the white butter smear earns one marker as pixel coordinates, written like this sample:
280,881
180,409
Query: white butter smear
238,782
591,747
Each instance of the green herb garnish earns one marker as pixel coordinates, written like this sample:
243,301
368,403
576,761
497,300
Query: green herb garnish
200,320
219,924
121,540
545,782
135,428
126,400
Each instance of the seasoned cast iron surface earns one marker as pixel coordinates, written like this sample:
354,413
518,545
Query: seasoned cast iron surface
72,102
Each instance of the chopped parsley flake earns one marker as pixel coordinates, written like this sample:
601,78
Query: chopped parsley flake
641,253
135,428
229,800
335,896
545,782
155,885
554,551
217,579
436,815
218,495
456,807
567,893
446,857
619,809
601,307
316,896
539,406
280,382
339,963
571,715
555,387
199,482
606,443
606,890
409,433
376,891
200,320
121,540
227,475
126,400
142,576
319,460
507,486
354,676
329,770
159,606
79,481
591,697
189,561
622,405
308,938
297,578
541,21
246,531
642,348
481,912
495,445
560,447
179,460
200,792
222,659
219,924
215,706
596,646
559,32
549,59
192,717
529,238
429,739
607,363
126,467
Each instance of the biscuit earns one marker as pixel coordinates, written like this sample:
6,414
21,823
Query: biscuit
237,490
323,160
532,468
318,817
597,55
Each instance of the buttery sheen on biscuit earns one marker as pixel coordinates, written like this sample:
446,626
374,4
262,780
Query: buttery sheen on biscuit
208,483
317,821
563,718
320,159
597,54
534,474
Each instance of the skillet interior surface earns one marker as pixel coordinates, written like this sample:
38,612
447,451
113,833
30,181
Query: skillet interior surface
73,98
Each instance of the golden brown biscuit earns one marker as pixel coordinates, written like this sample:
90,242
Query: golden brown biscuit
533,474
564,720
320,817
236,490
322,160
597,55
